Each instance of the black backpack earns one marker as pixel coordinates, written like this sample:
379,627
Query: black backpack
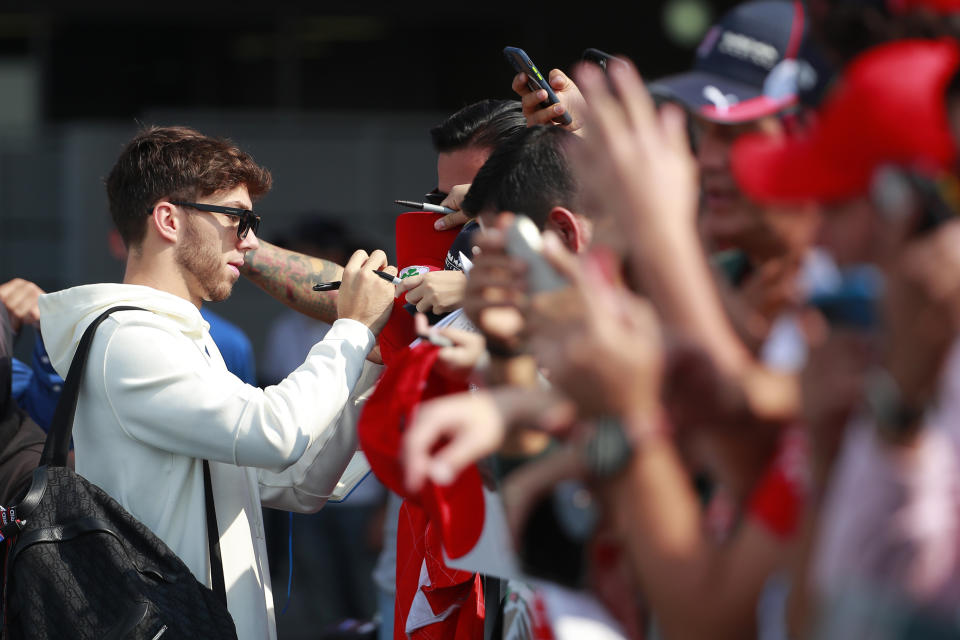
78,565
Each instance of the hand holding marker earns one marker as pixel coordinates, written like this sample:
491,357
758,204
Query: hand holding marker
333,286
441,341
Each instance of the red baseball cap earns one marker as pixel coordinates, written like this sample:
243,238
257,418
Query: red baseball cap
457,508
420,248
889,107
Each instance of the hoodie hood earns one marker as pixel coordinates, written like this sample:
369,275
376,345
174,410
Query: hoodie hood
65,315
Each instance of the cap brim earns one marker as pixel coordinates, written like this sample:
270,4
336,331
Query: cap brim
795,169
690,89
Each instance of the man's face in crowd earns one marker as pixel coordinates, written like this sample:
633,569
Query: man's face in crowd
728,218
459,167
209,253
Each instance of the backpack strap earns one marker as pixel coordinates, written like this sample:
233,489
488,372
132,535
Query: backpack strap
213,538
61,430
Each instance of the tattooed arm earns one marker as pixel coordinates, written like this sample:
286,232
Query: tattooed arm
289,277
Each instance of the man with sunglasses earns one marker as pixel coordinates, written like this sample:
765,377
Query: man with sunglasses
157,399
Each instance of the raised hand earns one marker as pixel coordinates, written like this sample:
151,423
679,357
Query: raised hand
571,100
600,345
364,296
20,297
436,291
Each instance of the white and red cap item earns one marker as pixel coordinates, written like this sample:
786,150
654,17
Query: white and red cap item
746,67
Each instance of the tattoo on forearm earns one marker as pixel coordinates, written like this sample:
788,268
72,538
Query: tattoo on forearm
289,277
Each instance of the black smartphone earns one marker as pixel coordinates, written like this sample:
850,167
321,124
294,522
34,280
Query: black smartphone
602,59
535,80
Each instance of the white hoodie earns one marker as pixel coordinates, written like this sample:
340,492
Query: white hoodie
157,399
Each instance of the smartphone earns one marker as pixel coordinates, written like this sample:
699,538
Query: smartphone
601,59
523,240
535,80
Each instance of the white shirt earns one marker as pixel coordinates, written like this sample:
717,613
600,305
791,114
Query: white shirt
157,399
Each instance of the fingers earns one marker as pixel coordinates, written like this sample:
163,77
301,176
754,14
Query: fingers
519,85
491,290
673,126
559,80
594,86
409,283
491,242
451,220
455,457
504,324
454,199
531,101
458,336
376,261
470,420
417,444
420,324
423,306
355,263
634,98
558,418
536,114
20,298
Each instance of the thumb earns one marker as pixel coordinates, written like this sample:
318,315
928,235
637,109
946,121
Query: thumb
409,283
451,220
420,324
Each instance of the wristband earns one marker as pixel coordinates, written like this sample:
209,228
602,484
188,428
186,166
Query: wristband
609,451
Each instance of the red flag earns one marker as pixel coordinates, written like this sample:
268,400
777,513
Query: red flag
432,599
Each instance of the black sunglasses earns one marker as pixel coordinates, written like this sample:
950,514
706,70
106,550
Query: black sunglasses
248,219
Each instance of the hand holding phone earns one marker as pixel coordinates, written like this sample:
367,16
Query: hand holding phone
523,240
522,63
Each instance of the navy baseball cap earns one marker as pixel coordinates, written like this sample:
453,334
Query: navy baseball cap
746,67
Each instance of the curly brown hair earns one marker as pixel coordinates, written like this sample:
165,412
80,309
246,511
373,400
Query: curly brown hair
175,163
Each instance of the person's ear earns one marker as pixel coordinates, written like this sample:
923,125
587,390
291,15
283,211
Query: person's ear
166,220
568,226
